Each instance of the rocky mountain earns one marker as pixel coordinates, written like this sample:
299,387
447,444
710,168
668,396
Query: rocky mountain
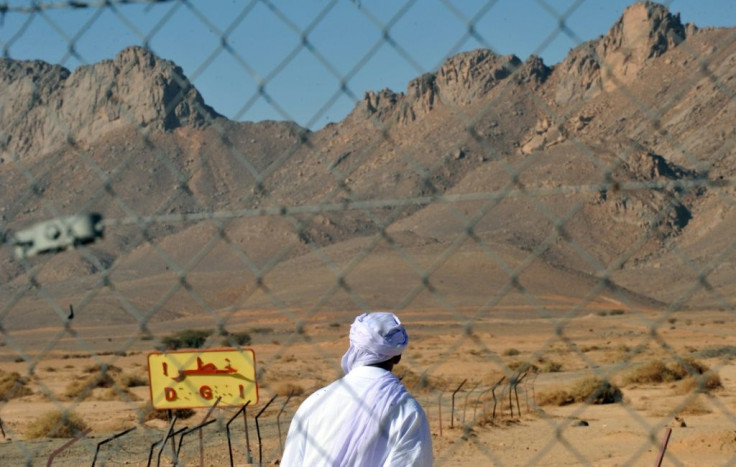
489,183
46,106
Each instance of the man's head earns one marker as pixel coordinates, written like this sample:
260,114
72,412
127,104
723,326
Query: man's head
375,338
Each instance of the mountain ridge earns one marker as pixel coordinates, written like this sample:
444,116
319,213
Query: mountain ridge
609,166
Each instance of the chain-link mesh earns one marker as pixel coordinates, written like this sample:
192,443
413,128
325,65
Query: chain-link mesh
566,278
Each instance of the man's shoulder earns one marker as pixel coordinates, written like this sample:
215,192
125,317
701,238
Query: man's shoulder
410,401
319,394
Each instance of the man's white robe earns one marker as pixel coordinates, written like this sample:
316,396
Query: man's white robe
366,418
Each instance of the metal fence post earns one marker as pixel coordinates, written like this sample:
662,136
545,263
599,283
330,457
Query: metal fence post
452,417
258,430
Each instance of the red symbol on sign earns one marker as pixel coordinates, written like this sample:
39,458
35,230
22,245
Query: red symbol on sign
170,394
206,369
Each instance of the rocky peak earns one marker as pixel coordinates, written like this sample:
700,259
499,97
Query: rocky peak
461,80
44,103
644,31
533,71
15,70
469,75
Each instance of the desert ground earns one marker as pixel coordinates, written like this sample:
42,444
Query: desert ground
457,357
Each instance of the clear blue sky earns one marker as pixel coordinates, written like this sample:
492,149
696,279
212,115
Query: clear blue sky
302,52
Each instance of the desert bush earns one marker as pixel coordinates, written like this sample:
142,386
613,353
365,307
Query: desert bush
687,367
56,424
617,312
12,385
115,394
415,382
557,397
107,377
80,389
549,366
473,352
541,365
97,368
149,413
522,366
594,390
186,339
652,372
511,352
656,371
237,338
129,380
590,390
288,389
706,382
695,407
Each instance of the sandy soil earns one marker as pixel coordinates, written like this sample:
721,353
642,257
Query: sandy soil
454,355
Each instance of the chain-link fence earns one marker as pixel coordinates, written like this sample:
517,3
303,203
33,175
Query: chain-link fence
557,240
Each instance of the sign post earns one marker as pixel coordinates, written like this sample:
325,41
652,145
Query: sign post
197,378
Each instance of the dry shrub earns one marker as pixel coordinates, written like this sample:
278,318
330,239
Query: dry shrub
687,367
12,385
80,389
541,365
591,390
288,389
521,367
236,339
113,394
129,380
56,424
656,371
148,413
414,382
98,368
108,377
695,407
701,383
186,339
558,397
652,372
549,366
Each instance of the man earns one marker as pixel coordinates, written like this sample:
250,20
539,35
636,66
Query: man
367,418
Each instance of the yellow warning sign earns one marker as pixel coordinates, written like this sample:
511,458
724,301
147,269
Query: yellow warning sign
191,379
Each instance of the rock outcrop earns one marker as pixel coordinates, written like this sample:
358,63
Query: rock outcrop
46,106
645,30
460,81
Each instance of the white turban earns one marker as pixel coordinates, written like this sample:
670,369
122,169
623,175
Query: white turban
374,338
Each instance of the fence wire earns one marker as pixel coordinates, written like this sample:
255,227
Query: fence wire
526,324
